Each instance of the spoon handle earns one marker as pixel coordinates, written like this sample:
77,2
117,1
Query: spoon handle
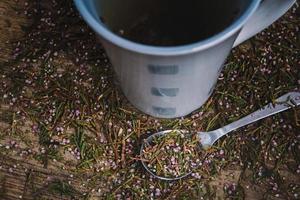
283,103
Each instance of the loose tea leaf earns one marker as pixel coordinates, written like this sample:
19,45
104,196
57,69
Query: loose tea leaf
172,155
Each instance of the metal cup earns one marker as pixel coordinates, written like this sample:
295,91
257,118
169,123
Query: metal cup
169,82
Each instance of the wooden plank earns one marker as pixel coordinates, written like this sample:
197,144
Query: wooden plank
28,181
11,23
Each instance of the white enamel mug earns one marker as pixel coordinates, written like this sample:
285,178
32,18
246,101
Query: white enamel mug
169,82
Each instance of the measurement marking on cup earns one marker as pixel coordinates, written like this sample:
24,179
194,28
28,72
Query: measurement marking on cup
163,69
164,111
165,92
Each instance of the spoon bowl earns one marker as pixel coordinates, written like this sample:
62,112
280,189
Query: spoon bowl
148,142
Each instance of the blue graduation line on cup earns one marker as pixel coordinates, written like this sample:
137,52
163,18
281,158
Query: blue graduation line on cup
163,69
165,92
164,111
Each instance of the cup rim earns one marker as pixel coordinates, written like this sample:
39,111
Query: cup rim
108,35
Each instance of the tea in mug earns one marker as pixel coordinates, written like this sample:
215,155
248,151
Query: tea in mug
168,22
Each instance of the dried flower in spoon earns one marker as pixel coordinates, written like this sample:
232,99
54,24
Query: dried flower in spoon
172,155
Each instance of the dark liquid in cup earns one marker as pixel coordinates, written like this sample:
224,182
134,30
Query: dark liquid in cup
172,22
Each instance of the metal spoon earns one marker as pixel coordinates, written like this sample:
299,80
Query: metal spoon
207,139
